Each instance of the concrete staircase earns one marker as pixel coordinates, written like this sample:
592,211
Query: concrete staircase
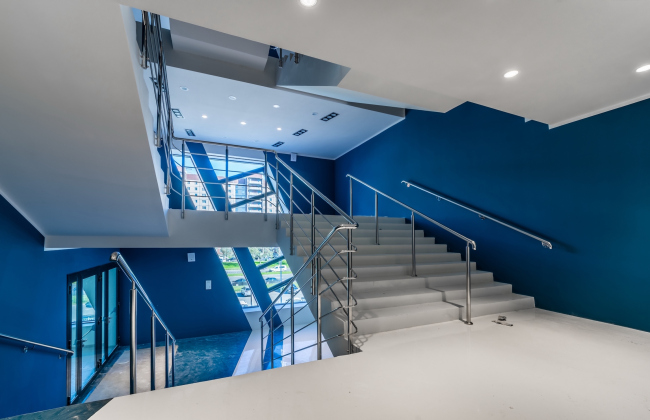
388,297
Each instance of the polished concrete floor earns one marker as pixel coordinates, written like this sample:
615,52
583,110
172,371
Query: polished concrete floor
197,360
76,412
546,366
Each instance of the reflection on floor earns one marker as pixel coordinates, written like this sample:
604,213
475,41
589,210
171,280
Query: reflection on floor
197,359
250,360
77,412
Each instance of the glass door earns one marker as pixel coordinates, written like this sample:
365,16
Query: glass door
92,325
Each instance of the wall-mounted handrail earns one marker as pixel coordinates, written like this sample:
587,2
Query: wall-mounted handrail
482,215
34,343
155,316
468,242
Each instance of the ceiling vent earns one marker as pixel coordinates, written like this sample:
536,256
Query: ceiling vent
300,132
177,113
190,132
329,117
278,144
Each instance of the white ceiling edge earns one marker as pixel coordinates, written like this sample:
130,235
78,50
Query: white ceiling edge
369,138
600,111
21,211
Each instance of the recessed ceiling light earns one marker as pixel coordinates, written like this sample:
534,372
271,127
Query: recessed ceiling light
232,98
276,106
243,123
279,128
184,89
308,3
510,74
643,68
204,116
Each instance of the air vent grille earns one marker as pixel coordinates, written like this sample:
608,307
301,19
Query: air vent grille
177,113
278,144
329,116
190,132
300,132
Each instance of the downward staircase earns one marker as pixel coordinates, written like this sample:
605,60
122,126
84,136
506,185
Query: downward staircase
388,297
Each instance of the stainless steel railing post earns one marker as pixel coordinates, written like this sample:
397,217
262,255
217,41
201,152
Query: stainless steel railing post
134,339
293,329
227,185
272,340
173,363
313,240
166,360
413,270
349,275
261,345
291,215
266,187
277,195
376,218
351,212
153,352
319,308
468,298
145,25
183,181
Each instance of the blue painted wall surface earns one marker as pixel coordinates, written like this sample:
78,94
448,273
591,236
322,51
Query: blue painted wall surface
33,306
318,172
584,186
177,289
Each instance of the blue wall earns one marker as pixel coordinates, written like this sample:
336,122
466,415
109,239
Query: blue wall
33,306
177,289
584,186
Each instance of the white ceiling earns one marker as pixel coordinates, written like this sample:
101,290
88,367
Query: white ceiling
575,57
76,156
209,95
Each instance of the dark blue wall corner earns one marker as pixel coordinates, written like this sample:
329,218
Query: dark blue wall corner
33,306
318,172
177,289
584,186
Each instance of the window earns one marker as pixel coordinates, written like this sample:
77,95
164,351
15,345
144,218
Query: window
236,277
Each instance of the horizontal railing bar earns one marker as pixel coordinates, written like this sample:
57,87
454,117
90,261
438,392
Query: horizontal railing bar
221,144
453,232
483,215
34,343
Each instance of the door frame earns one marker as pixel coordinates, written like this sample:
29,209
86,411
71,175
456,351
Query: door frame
101,340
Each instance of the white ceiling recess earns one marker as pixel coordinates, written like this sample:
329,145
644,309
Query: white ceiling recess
76,156
575,57
209,96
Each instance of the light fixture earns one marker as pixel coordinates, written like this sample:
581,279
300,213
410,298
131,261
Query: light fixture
276,106
243,123
204,116
643,68
279,128
232,98
184,89
510,74
308,3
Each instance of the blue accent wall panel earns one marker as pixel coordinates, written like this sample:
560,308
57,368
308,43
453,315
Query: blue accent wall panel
583,186
33,298
177,289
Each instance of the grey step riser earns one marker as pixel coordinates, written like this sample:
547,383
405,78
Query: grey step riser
400,270
494,308
326,227
383,324
387,249
340,220
374,260
359,233
361,286
390,301
477,292
338,241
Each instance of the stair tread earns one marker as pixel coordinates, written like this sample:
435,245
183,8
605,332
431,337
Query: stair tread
405,310
428,276
395,292
486,300
453,287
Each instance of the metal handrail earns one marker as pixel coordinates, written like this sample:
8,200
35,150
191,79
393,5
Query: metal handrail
482,215
34,343
155,316
468,242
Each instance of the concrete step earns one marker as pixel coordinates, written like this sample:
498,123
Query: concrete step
396,297
400,269
358,233
372,321
388,249
495,304
452,292
434,282
327,226
369,240
385,259
339,219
